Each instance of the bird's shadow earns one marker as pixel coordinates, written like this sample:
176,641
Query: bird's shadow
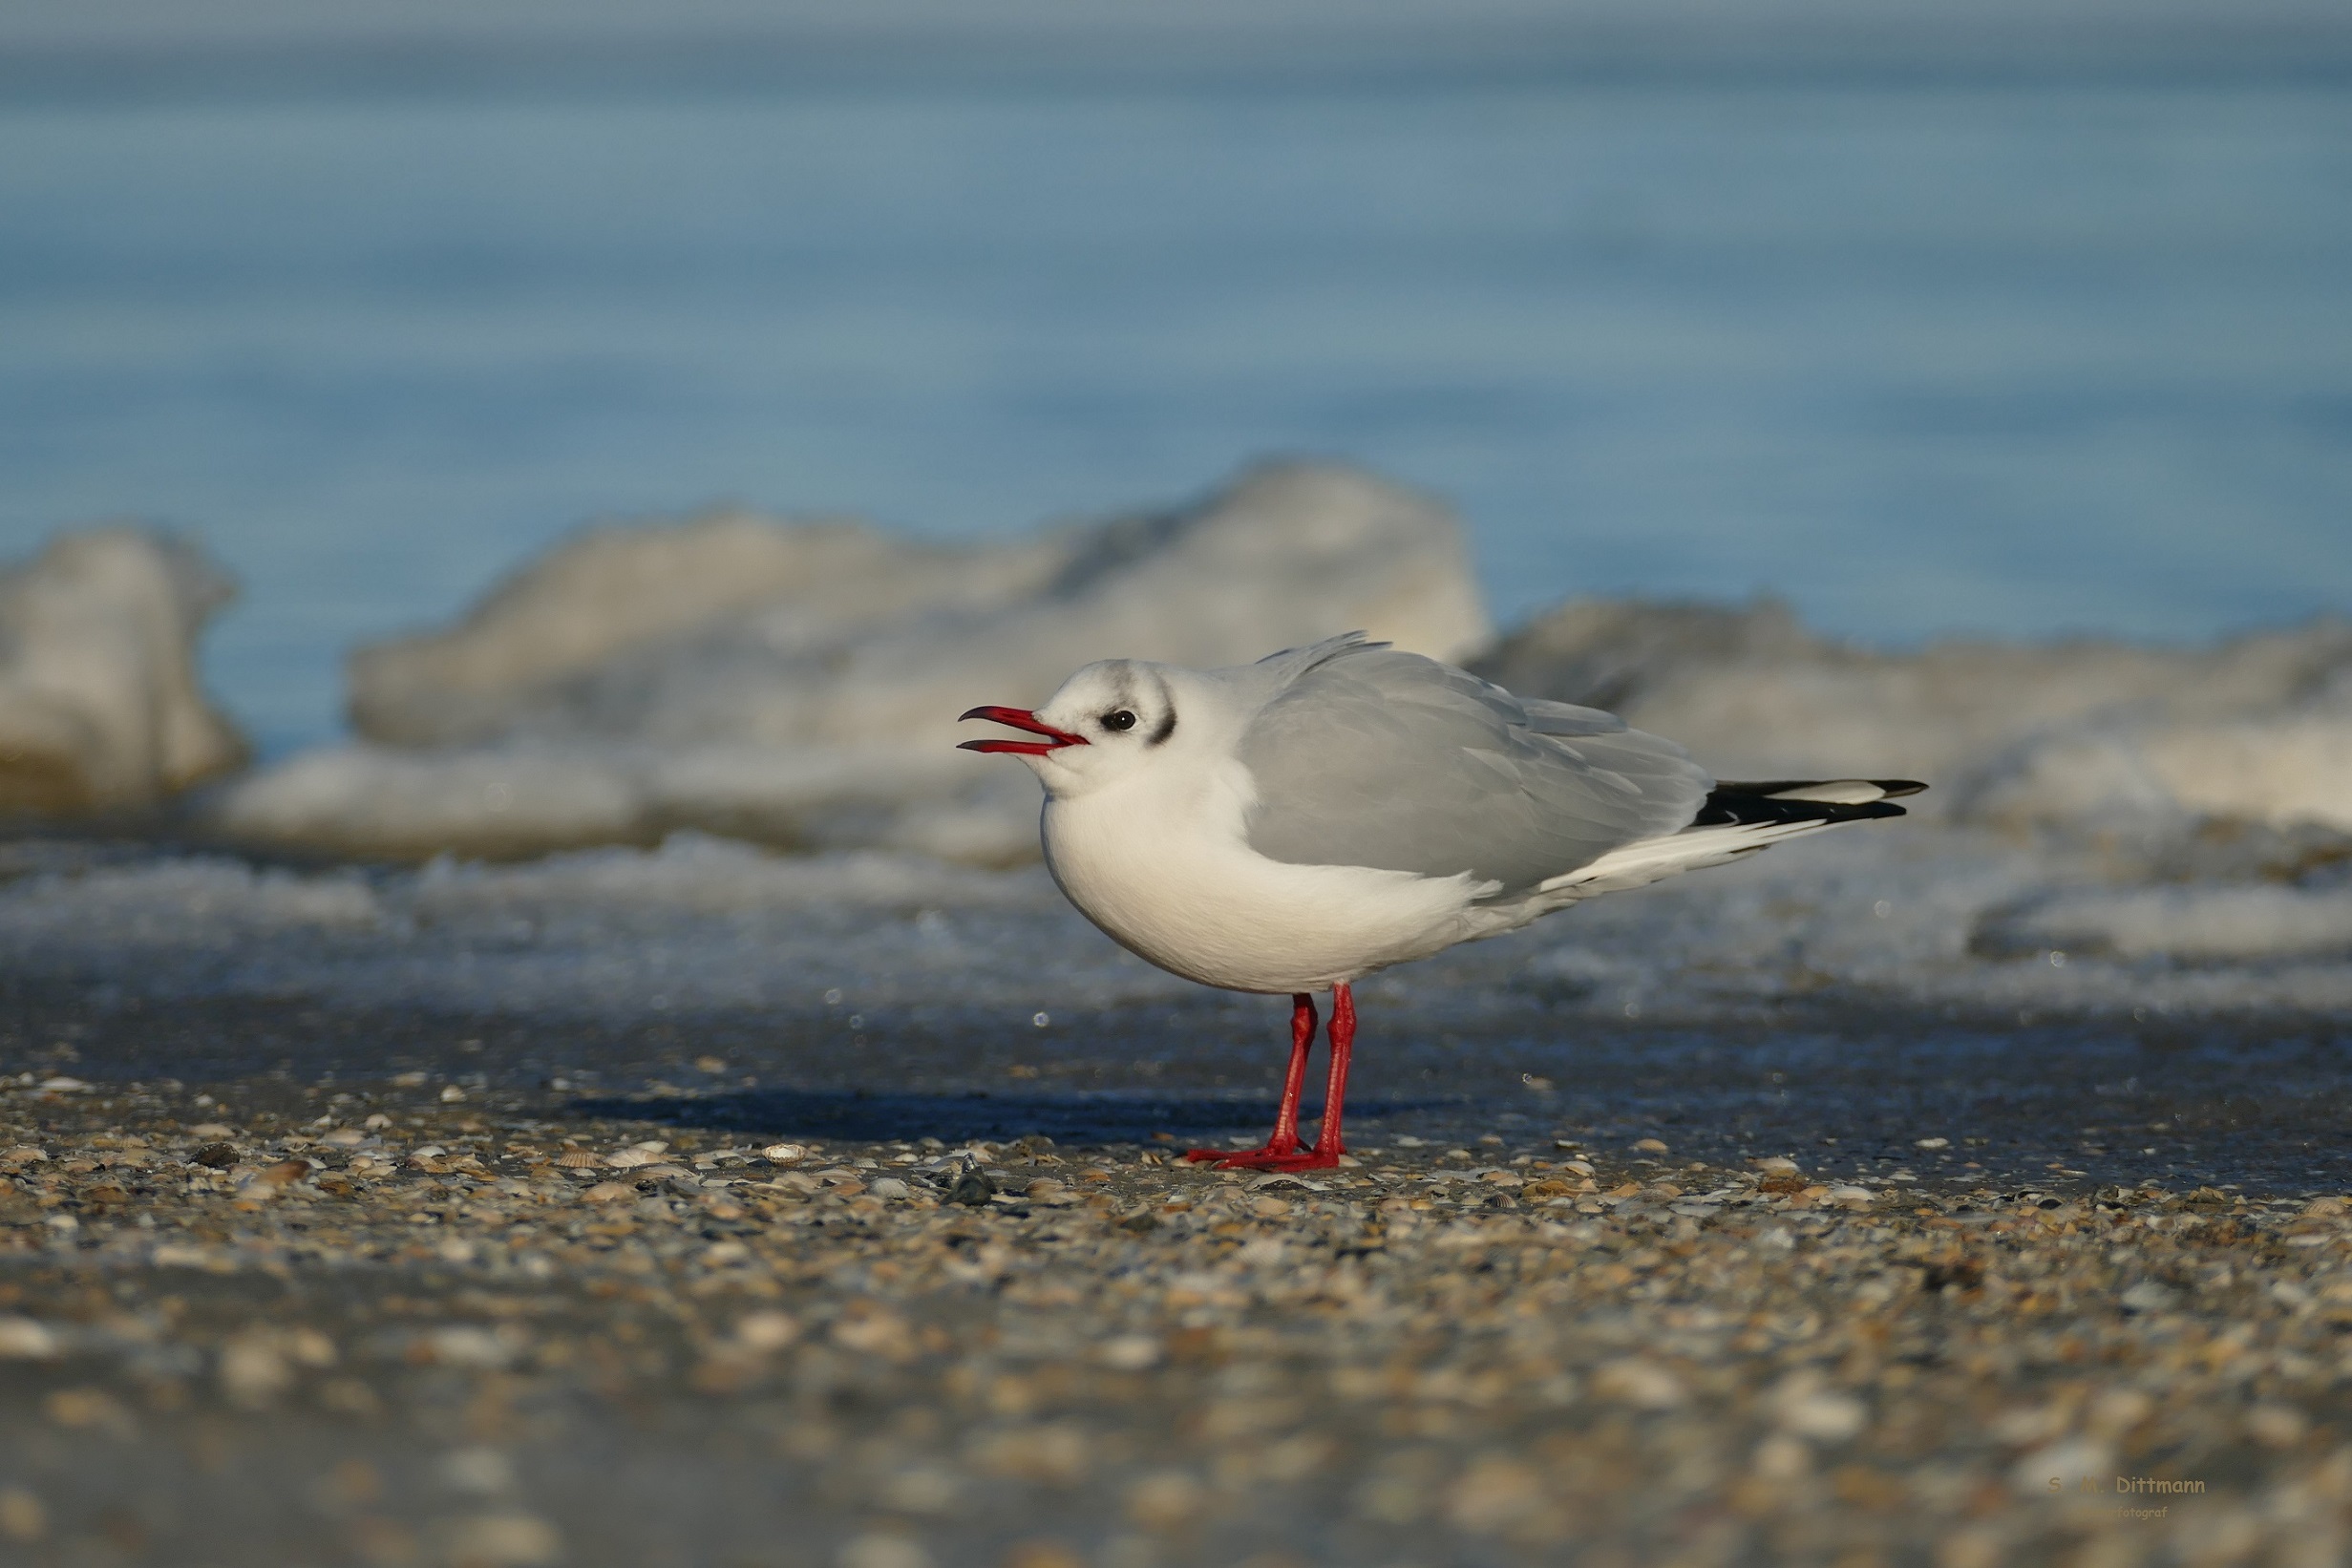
848,1115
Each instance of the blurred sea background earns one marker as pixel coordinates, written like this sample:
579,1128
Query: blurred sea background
2021,322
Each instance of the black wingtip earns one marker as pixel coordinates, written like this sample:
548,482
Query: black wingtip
1739,804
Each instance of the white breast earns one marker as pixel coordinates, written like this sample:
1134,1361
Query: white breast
1159,862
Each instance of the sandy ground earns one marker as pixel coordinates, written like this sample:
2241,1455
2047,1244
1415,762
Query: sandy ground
286,1285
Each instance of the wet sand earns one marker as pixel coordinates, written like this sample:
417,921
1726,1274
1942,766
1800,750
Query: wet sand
282,1284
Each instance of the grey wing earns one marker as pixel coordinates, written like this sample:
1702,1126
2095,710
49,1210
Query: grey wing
1373,757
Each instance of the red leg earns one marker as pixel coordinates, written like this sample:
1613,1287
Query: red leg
1328,1148
1327,1145
1285,1142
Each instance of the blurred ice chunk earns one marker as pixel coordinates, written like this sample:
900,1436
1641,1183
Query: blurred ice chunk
732,629
100,707
693,873
2281,769
615,622
800,684
2099,735
2190,923
702,925
205,900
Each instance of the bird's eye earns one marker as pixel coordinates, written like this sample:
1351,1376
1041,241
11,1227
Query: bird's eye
1120,720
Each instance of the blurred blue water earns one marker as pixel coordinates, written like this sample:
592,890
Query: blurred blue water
2011,359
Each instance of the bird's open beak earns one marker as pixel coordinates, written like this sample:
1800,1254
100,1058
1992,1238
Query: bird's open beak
1020,718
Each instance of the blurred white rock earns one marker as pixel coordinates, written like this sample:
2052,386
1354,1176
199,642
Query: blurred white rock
798,683
2087,733
100,710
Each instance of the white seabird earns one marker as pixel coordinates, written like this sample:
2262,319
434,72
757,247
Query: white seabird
1290,826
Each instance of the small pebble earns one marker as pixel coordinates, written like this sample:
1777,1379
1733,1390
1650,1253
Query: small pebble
23,1338
766,1331
23,1519
972,1187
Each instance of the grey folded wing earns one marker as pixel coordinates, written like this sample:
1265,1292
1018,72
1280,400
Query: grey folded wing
1370,758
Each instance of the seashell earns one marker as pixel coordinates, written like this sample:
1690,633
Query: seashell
25,1154
430,1151
346,1137
628,1159
578,1159
609,1191
286,1173
785,1153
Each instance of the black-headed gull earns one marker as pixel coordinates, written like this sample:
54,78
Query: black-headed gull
1292,825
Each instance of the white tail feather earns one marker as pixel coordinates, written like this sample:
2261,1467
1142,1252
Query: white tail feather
1653,859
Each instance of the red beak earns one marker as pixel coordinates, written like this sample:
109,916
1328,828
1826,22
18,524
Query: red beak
1020,718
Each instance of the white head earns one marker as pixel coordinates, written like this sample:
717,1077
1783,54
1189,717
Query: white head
1111,721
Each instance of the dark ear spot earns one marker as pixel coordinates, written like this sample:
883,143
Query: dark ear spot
1166,727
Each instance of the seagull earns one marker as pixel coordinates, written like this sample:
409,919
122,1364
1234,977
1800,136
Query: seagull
1290,826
